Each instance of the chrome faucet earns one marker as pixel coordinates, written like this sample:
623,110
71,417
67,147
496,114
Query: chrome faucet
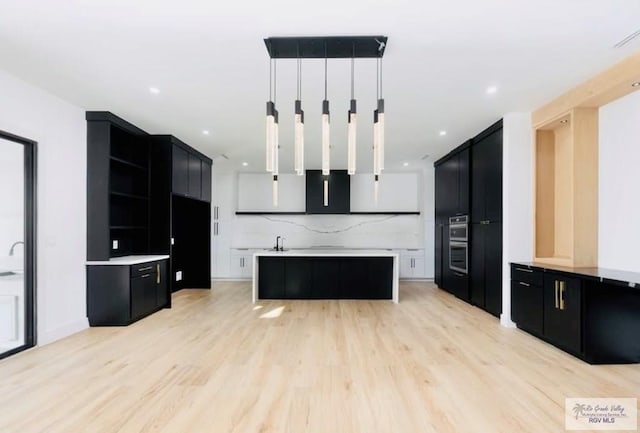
14,246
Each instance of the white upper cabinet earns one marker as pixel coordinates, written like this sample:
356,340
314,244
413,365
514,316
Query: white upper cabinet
255,193
398,192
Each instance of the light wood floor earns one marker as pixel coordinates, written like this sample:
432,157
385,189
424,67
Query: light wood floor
217,363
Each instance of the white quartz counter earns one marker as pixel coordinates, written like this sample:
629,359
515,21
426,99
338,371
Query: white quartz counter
330,253
128,260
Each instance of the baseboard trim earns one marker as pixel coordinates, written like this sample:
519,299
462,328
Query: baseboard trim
50,335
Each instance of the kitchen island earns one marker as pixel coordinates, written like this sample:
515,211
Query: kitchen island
325,274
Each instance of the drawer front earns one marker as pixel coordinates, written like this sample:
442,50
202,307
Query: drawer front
525,275
144,269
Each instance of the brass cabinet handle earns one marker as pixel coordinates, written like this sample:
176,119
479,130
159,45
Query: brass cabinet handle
562,288
158,273
556,297
524,270
146,268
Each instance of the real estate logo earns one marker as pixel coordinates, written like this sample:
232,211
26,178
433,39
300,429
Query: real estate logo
601,414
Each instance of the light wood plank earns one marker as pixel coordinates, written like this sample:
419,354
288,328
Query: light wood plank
214,363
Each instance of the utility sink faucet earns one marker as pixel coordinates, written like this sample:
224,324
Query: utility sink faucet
279,245
13,247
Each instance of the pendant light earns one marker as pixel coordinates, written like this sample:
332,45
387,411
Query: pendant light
270,124
276,144
326,149
351,132
299,124
378,132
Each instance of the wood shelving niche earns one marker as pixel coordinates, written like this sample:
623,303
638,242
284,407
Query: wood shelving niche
566,227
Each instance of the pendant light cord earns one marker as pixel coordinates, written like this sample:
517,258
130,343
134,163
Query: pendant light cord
353,55
381,97
377,78
275,80
270,77
325,71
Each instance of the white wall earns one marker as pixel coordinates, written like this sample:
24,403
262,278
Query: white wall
619,198
517,192
60,130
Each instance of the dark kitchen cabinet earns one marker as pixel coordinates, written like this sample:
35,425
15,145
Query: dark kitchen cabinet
486,176
562,311
452,184
339,196
181,198
439,253
486,266
195,177
206,181
325,277
527,303
588,312
121,294
181,168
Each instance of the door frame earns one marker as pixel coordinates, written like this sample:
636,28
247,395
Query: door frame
30,188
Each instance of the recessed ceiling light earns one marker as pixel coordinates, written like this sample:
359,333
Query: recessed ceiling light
636,84
564,121
491,90
442,133
405,164
154,90
205,132
244,164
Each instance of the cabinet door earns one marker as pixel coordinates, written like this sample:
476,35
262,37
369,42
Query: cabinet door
162,286
493,176
180,173
477,264
562,312
450,187
526,306
441,198
406,266
438,255
460,285
479,169
271,278
246,266
195,176
380,284
493,268
206,181
298,278
326,278
354,278
418,267
143,295
463,182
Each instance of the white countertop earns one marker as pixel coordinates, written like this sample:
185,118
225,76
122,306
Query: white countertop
128,260
328,253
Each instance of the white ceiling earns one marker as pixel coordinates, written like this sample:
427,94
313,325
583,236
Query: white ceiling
210,64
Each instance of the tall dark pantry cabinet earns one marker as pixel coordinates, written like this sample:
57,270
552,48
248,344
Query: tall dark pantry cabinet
468,181
146,236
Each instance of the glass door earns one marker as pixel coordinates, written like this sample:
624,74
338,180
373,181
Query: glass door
17,243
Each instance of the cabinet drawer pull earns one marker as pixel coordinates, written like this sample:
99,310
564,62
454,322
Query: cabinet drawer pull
146,276
555,283
147,268
524,270
562,287
158,273
524,284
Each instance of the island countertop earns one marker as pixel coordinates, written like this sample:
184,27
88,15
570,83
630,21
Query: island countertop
392,277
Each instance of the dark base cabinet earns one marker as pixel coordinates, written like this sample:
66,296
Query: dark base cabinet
121,294
579,311
325,278
486,266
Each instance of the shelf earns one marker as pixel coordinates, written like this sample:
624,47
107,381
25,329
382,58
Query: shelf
133,196
346,213
128,163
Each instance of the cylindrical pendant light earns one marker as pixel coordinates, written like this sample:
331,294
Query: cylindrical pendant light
275,191
298,157
270,124
378,125
351,132
326,146
381,122
325,191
